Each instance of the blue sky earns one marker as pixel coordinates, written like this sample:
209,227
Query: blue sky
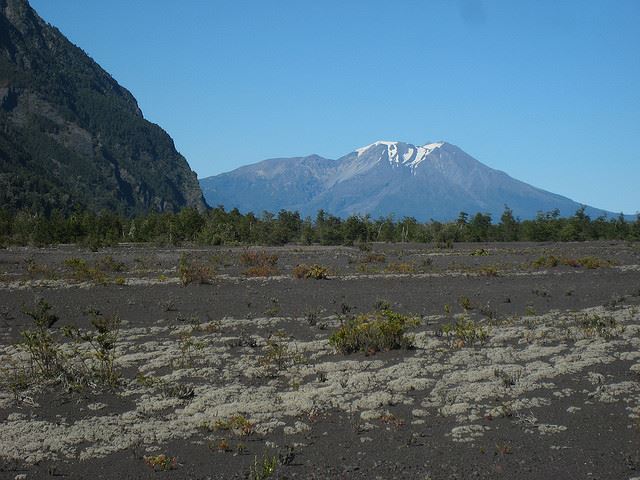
546,90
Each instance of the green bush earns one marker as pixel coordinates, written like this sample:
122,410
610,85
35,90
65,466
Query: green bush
82,272
264,468
464,332
278,356
97,349
47,358
91,361
372,332
594,325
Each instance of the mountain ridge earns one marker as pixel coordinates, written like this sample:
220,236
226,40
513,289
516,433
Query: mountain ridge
436,180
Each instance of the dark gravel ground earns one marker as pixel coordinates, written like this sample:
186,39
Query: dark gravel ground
499,280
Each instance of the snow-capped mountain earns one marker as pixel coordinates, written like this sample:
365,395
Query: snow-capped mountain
431,181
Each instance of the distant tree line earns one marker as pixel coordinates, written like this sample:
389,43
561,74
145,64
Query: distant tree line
220,227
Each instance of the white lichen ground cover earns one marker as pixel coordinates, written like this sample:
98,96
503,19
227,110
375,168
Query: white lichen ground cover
191,376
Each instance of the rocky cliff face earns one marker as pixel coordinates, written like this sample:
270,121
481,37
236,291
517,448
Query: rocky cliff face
71,136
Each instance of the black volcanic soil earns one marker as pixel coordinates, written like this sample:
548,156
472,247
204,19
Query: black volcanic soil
546,395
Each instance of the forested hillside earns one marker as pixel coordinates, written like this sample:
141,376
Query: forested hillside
71,137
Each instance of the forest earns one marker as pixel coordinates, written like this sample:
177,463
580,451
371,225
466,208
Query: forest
218,226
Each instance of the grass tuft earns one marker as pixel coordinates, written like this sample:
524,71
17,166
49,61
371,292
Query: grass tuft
263,468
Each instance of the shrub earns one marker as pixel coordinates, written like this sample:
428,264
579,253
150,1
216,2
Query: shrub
585,262
109,264
367,268
381,305
47,359
253,258
374,258
278,356
391,420
315,271
488,272
161,463
401,268
14,377
98,360
593,262
464,332
372,332
427,263
260,264
237,424
549,262
34,269
222,445
263,469
189,271
91,361
166,389
364,247
261,271
103,342
273,307
595,325
465,303
82,272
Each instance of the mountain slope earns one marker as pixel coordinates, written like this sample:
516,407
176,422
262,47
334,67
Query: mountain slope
436,180
71,136
271,184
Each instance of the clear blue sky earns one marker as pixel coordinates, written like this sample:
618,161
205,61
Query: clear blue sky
546,90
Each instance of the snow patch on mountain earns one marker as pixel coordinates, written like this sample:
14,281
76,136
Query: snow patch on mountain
422,153
360,151
399,153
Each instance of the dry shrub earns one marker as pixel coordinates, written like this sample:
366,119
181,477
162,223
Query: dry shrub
260,264
585,262
488,272
255,258
261,271
191,272
375,258
315,271
401,268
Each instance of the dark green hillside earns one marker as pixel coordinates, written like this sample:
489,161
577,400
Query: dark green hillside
71,136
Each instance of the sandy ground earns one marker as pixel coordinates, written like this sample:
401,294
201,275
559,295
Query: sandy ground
238,371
